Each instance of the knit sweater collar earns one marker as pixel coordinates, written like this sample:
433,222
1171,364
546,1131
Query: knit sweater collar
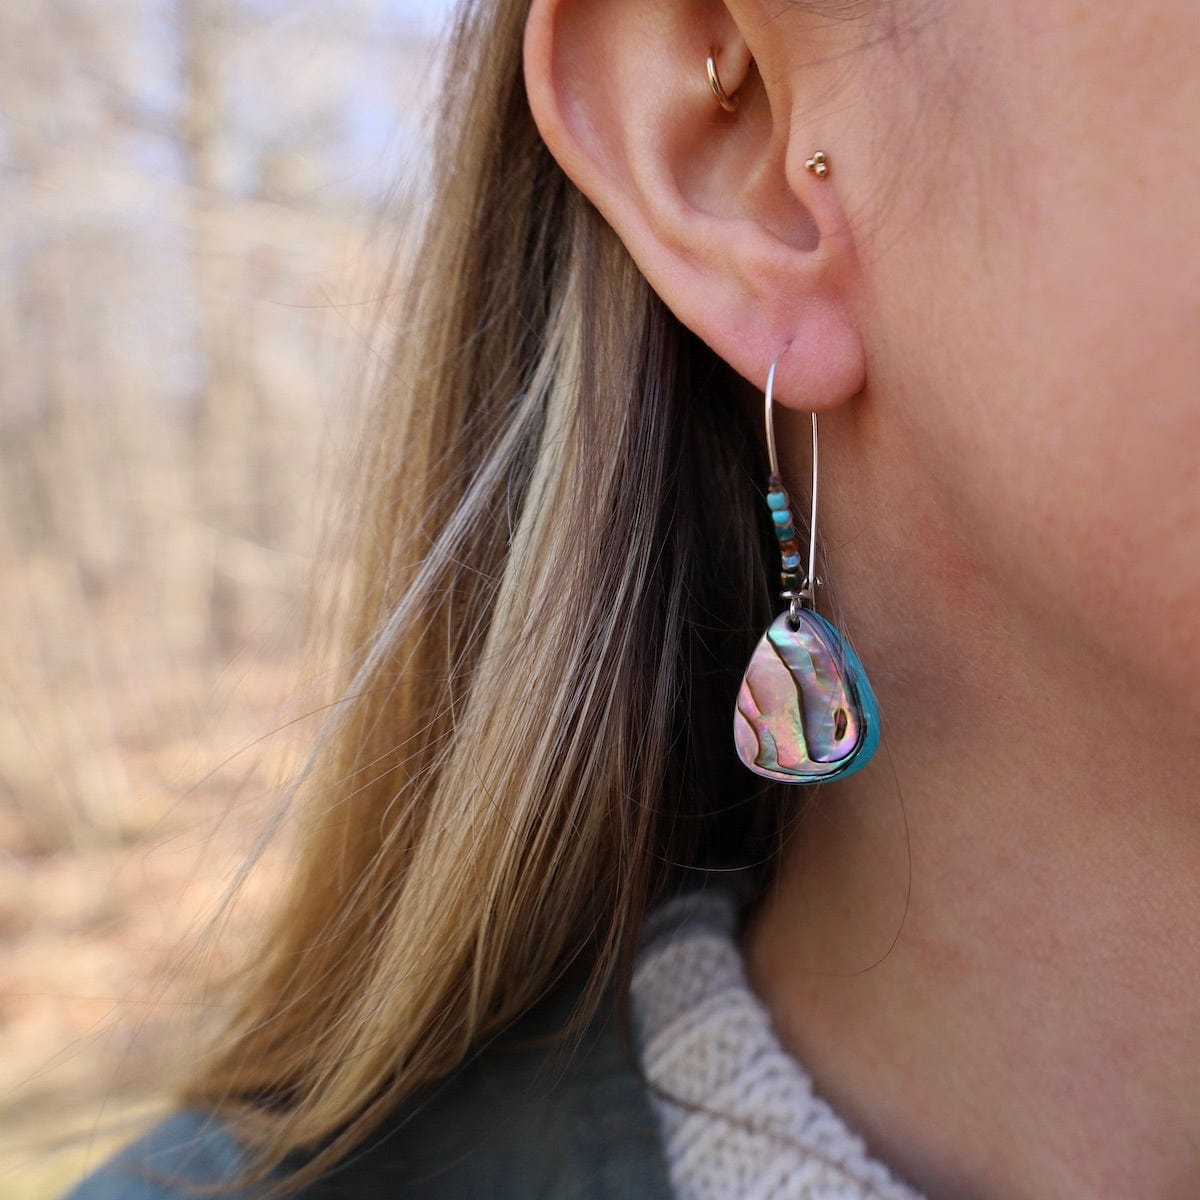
706,1039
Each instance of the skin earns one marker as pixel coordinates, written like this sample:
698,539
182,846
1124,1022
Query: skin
984,947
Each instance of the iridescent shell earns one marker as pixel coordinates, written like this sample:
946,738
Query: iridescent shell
805,711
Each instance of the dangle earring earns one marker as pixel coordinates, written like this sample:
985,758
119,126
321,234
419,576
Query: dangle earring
805,711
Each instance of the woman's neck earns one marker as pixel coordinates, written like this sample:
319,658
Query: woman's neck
984,947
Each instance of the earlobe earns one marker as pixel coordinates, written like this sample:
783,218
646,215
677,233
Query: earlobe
751,262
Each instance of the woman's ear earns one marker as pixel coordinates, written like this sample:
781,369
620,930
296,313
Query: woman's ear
748,248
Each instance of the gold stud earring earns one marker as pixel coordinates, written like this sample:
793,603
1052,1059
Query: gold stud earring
727,102
818,164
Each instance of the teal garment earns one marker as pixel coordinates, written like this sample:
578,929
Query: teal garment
520,1121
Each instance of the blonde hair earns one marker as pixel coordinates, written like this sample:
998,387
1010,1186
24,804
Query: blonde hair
559,576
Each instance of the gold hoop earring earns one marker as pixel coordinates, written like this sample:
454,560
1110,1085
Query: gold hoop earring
727,102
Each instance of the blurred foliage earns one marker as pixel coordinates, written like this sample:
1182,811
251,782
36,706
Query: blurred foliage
196,204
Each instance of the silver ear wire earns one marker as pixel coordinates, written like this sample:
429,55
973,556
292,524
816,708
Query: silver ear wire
804,595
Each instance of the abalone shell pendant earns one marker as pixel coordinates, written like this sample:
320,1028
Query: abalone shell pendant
805,710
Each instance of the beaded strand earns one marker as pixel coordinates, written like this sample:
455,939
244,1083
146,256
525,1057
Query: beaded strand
785,531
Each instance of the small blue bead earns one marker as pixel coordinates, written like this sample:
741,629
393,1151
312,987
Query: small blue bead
785,534
777,500
791,561
782,518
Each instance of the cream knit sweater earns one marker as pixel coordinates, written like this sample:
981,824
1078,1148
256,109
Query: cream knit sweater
705,1038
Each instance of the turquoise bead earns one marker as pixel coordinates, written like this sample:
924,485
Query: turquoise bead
785,533
784,517
777,500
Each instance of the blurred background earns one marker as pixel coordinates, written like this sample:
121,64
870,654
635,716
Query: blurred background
198,203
